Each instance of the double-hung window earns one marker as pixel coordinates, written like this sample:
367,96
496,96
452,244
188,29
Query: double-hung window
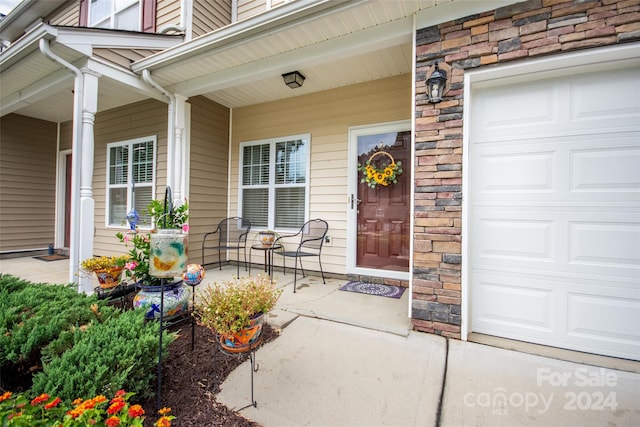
274,182
115,14
130,180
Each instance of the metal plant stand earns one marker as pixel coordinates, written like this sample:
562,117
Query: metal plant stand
251,353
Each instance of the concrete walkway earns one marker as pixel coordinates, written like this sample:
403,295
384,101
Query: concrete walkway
346,359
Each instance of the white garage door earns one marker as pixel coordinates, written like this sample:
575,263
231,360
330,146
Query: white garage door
554,237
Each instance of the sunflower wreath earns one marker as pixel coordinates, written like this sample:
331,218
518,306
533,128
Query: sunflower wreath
384,175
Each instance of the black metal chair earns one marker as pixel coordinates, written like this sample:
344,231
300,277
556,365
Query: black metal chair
231,234
308,241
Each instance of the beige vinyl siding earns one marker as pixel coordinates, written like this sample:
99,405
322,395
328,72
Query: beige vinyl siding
123,57
209,15
66,135
249,8
209,148
27,183
167,13
327,116
68,14
142,119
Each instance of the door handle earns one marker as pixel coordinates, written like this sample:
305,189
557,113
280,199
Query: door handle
354,201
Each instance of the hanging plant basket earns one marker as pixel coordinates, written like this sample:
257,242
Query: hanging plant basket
384,172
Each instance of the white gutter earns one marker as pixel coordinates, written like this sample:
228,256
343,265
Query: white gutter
146,76
76,167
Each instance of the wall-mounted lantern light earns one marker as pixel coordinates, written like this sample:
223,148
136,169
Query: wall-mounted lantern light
436,84
293,79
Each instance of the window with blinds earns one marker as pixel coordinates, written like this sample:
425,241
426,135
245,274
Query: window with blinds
274,182
131,177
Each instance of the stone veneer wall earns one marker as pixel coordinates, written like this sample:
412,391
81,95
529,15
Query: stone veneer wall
524,30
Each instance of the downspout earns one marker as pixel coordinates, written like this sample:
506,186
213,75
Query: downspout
76,167
229,164
146,76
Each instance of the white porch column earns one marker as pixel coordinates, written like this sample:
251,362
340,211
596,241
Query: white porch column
176,186
87,204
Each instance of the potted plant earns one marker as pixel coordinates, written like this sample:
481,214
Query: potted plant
106,268
235,309
142,256
267,237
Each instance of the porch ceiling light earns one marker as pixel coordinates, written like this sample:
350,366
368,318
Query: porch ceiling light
436,84
293,79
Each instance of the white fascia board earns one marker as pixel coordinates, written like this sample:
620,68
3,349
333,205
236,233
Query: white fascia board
127,78
279,18
456,9
365,41
33,93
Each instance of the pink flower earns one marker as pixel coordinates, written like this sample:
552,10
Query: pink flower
185,228
131,265
126,239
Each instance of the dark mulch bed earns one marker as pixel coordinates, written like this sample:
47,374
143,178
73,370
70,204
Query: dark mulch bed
190,380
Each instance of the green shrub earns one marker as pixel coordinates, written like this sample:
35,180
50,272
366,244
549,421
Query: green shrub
120,353
34,315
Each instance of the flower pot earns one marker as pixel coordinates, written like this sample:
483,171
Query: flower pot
108,277
176,300
266,238
168,253
246,339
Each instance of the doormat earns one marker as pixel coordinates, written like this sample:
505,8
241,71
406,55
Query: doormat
374,289
54,257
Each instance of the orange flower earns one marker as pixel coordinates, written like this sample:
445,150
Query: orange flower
116,406
99,399
55,402
77,401
164,411
75,413
112,422
163,422
42,398
6,395
136,411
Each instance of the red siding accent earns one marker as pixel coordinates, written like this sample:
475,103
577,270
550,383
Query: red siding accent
149,16
84,13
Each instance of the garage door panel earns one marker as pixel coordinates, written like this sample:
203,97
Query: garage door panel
515,239
514,306
596,102
501,112
606,169
599,318
605,244
531,172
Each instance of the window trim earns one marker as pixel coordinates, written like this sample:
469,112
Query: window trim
272,174
130,143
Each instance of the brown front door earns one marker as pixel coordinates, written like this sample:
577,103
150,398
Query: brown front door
383,226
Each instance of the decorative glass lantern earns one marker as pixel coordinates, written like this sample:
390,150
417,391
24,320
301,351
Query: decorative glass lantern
168,253
435,84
